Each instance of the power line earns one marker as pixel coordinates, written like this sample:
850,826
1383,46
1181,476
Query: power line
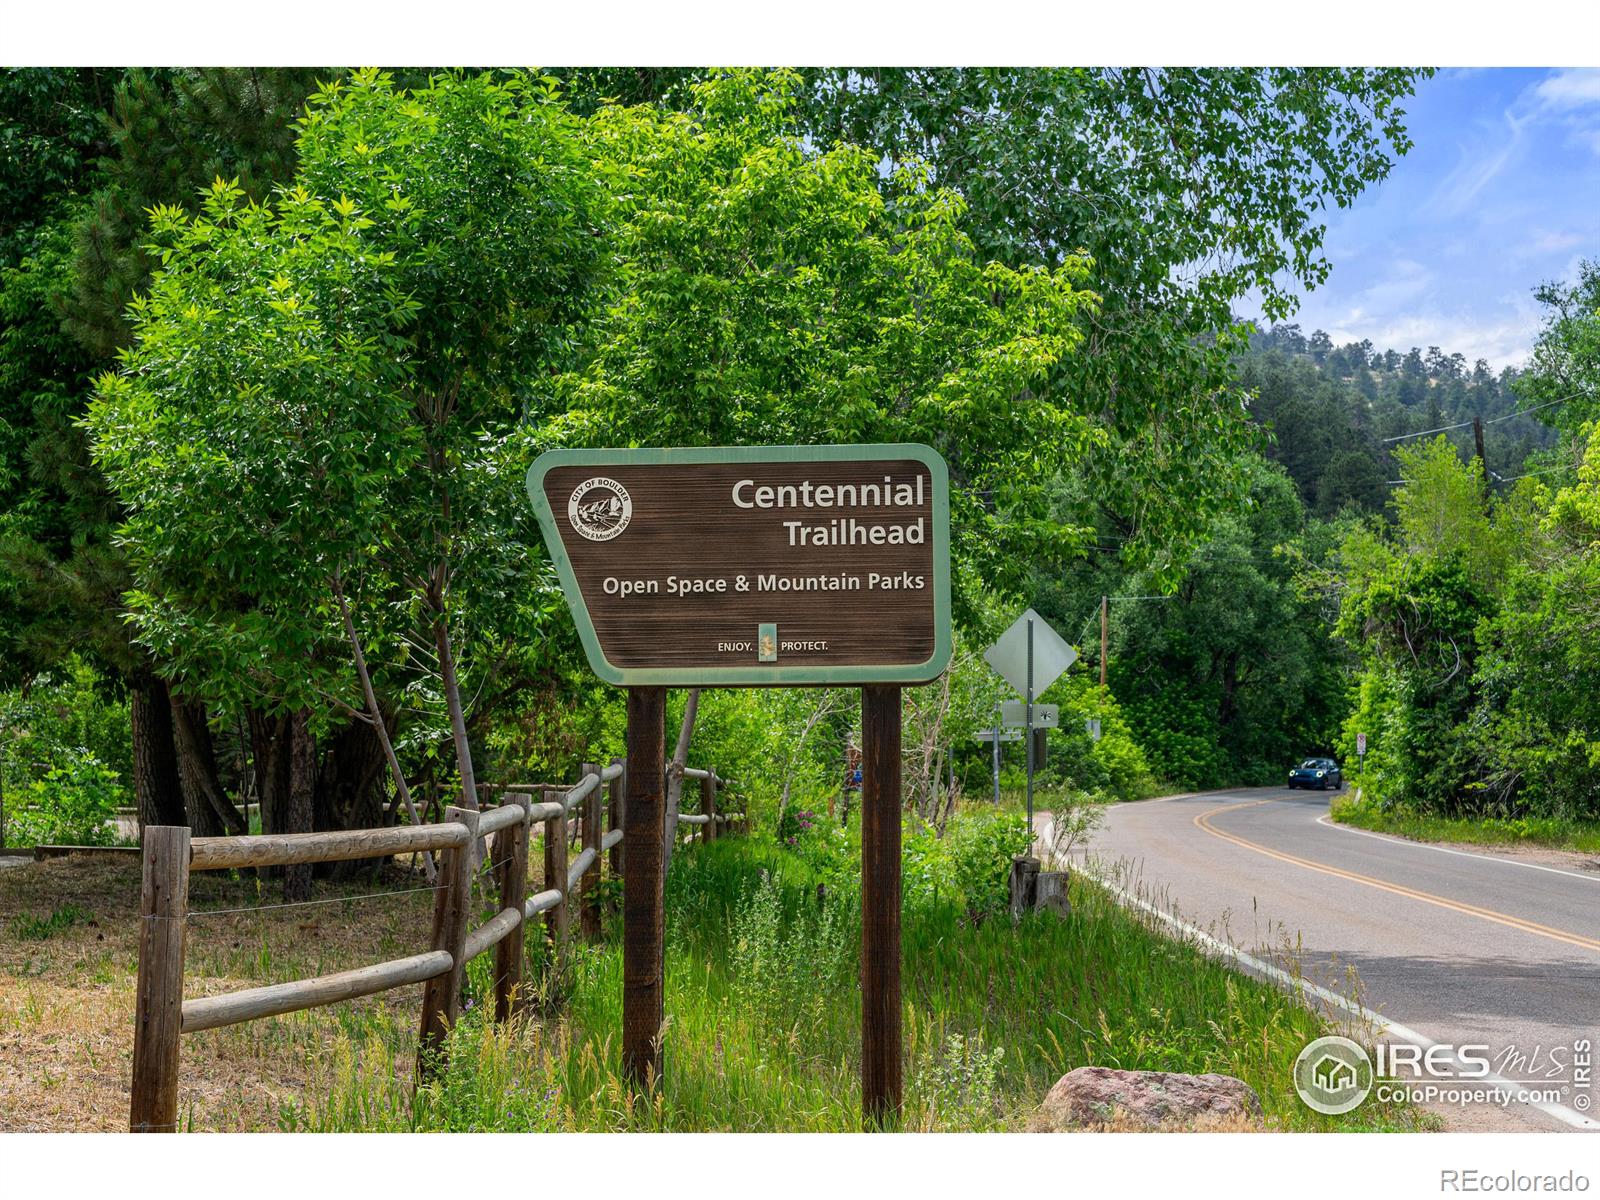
1501,478
1535,408
1526,474
1400,437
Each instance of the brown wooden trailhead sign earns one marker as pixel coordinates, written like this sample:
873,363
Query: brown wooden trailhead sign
740,566
764,566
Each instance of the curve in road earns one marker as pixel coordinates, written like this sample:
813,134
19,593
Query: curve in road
1460,947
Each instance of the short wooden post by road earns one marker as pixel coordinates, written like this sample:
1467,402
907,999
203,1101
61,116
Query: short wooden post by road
556,919
511,852
708,805
1023,884
452,913
881,1077
589,895
158,1002
643,919
615,797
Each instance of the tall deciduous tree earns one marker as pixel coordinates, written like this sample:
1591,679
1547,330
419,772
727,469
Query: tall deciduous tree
769,292
304,430
1188,188
98,149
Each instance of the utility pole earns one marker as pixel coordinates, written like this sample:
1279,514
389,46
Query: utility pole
1105,607
1483,462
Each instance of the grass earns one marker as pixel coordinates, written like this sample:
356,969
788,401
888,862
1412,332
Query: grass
30,928
1552,832
762,1013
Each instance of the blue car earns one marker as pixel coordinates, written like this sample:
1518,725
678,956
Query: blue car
1317,773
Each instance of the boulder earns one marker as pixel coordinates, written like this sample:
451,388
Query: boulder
1100,1096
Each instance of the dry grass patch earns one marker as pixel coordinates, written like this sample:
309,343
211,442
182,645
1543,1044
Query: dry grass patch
68,963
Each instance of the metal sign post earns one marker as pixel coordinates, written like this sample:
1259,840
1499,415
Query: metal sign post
996,755
1030,656
1028,725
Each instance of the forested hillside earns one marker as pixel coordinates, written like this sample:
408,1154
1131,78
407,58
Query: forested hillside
1335,413
1248,664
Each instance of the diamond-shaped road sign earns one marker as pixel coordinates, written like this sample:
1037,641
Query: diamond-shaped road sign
1009,654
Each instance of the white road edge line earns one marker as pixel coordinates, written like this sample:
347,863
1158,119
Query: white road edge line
1510,862
1559,1111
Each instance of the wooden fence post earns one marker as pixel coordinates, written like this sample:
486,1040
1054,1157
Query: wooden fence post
643,923
614,818
708,805
452,912
881,1078
158,1003
555,876
511,850
589,896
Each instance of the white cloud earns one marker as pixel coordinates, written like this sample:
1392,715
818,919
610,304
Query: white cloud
1504,343
1476,171
1405,281
1504,333
1556,241
1543,243
1571,88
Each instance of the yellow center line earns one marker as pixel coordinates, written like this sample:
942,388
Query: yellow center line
1203,821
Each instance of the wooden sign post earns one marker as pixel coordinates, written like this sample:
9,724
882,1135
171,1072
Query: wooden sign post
881,1076
643,916
768,566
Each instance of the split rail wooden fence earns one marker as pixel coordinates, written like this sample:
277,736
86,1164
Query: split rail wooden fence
162,1015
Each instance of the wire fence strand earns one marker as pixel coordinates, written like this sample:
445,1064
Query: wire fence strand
257,908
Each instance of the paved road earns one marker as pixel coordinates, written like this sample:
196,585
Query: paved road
1460,948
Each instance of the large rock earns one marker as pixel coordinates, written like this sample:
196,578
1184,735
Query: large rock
1100,1096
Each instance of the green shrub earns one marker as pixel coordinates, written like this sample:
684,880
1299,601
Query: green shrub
958,1087
72,805
1114,764
981,847
787,961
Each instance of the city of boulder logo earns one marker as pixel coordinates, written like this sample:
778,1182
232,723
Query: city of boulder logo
600,508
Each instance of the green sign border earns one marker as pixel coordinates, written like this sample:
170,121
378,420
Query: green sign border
752,675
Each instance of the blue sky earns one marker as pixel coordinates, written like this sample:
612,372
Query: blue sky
1500,193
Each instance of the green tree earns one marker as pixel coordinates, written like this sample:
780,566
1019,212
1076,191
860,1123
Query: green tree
1236,675
308,429
1564,370
771,293
1187,188
115,143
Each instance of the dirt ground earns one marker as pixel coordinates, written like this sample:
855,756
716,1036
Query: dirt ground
68,962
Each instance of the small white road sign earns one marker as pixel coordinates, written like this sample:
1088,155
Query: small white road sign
1045,716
